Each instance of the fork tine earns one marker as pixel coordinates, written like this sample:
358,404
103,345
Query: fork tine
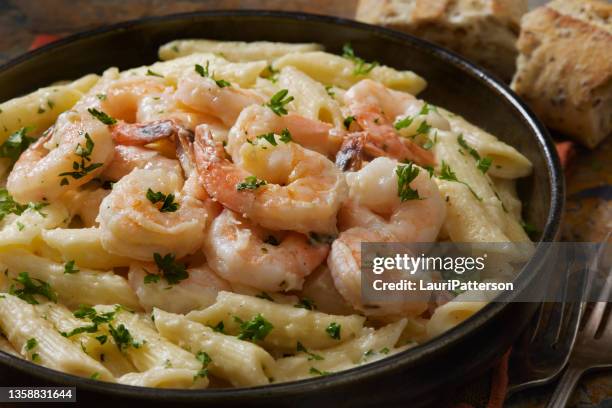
550,323
597,313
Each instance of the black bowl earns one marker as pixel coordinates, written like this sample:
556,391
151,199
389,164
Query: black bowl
420,376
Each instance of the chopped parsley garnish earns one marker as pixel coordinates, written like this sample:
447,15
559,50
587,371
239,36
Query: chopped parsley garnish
278,101
428,144
219,327
88,312
173,272
264,295
269,137
406,175
101,96
482,163
122,337
80,169
151,73
305,303
10,206
102,116
30,344
20,226
84,329
404,123
30,289
168,204
423,128
95,376
316,371
151,278
330,92
285,136
427,108
361,67
384,350
430,170
205,359
69,268
334,330
311,356
273,73
16,144
347,121
529,228
222,83
255,329
204,72
250,183
446,173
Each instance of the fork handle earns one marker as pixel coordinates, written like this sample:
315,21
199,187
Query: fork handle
566,386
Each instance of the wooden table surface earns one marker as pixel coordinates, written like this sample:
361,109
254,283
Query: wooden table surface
588,216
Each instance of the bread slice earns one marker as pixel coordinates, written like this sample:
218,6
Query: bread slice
564,71
484,31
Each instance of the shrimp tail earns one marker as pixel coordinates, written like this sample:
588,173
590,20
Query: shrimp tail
350,155
219,175
140,134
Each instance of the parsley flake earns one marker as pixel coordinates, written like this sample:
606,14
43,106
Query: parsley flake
361,67
446,173
69,268
255,329
16,144
406,175
311,356
347,121
102,116
334,330
250,183
278,101
173,272
168,204
31,289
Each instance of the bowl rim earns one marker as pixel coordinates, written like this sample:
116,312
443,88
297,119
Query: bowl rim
550,231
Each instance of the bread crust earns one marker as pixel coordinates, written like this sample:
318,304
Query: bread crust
564,71
484,31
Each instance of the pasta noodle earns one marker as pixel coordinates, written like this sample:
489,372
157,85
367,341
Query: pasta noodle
236,51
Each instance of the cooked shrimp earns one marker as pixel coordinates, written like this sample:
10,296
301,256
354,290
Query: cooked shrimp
244,253
74,152
122,97
196,292
204,95
257,120
375,109
301,190
166,106
376,213
375,203
128,158
133,226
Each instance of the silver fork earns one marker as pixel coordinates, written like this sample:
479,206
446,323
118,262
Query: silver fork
593,349
542,354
